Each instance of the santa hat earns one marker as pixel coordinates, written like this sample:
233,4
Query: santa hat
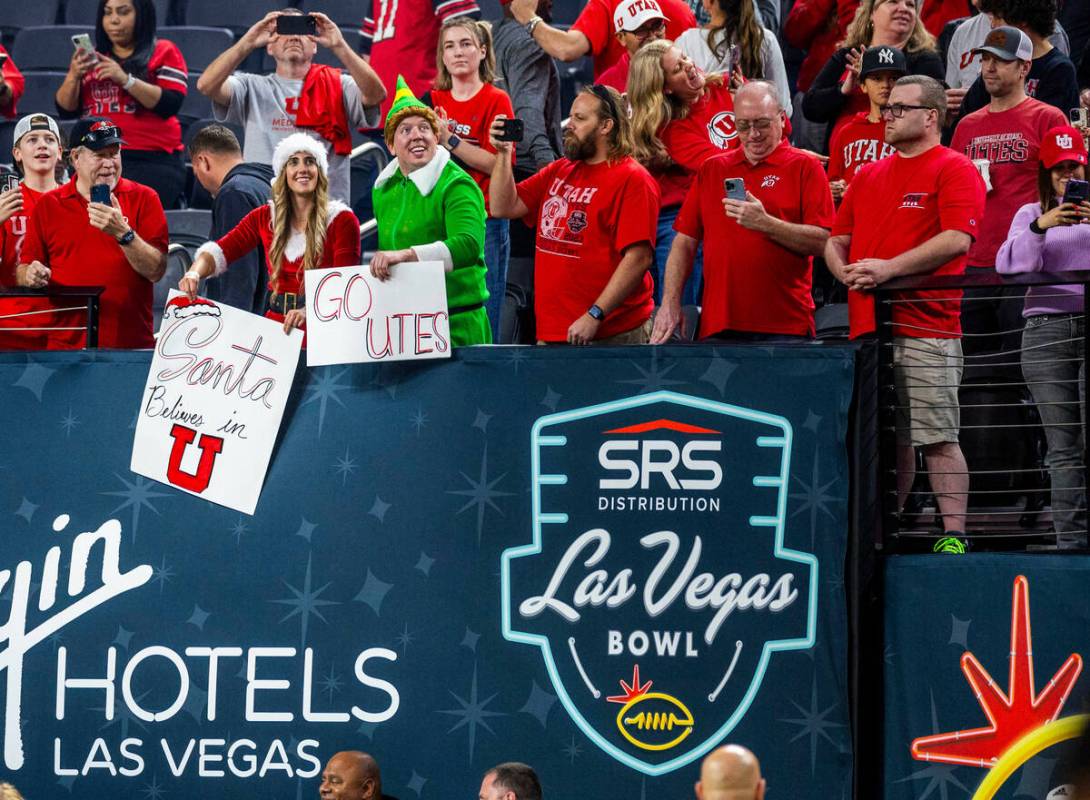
406,105
299,143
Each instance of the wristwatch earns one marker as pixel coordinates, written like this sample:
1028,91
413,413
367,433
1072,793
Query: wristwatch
127,237
453,141
535,20
596,312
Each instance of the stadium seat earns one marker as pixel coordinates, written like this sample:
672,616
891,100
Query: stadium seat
238,15
83,12
41,86
7,133
189,226
345,13
200,46
179,259
196,105
46,46
831,321
18,14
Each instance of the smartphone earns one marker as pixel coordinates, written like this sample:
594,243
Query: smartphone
513,130
82,41
735,188
297,25
1080,116
1077,191
9,182
100,193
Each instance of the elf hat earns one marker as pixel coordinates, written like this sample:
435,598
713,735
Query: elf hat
299,143
406,105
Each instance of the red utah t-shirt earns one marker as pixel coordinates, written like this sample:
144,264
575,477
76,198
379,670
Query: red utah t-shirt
705,132
11,245
586,215
595,22
471,120
141,127
1010,141
858,143
752,284
896,204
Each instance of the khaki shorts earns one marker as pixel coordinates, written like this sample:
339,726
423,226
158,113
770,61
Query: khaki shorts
641,334
926,375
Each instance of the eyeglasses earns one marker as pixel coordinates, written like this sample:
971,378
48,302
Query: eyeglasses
745,126
651,28
897,110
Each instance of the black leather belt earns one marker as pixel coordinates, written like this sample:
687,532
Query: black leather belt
283,302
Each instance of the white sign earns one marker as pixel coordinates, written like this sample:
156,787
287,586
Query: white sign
353,317
214,400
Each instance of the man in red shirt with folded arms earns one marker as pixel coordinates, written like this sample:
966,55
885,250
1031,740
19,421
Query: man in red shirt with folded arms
595,211
916,212
73,241
758,252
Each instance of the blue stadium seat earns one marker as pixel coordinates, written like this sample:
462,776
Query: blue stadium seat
345,13
18,14
195,105
82,12
41,86
238,15
46,46
7,134
199,45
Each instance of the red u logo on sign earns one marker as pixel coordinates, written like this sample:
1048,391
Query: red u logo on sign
210,447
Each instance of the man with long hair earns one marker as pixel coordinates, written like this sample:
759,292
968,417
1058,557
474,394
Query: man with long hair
595,211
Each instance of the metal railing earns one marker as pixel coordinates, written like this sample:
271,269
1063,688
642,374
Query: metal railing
84,299
1001,432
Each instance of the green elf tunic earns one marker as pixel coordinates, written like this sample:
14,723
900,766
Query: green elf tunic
438,211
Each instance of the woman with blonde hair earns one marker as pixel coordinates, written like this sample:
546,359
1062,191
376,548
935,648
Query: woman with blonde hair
835,95
466,101
734,43
300,228
680,118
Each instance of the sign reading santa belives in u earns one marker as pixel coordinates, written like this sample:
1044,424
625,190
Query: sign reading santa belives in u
353,317
657,585
215,395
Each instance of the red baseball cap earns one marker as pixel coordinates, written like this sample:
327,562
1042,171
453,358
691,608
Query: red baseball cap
1062,143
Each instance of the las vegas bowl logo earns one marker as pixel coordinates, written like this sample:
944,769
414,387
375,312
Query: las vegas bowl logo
658,557
721,129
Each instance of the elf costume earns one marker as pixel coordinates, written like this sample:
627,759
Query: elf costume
438,212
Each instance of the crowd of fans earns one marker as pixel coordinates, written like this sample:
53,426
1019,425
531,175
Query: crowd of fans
708,165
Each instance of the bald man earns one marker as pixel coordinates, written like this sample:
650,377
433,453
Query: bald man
351,775
730,773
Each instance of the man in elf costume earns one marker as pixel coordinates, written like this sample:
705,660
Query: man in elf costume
429,209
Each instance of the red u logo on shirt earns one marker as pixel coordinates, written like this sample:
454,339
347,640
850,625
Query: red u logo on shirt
291,106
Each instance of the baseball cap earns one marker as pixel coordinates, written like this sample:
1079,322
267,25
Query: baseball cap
1062,143
883,59
35,122
95,133
629,15
1007,43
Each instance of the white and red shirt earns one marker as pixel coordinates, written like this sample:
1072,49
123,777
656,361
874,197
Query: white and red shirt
595,22
401,37
60,236
586,216
471,119
897,204
1010,141
141,128
705,132
12,233
752,284
856,144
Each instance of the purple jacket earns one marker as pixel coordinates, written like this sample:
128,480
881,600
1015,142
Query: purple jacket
1060,249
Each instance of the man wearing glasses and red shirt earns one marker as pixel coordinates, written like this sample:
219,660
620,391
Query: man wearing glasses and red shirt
636,25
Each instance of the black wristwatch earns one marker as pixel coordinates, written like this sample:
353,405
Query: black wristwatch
453,141
127,237
596,312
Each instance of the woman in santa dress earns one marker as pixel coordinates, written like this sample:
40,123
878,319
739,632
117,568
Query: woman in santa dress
300,228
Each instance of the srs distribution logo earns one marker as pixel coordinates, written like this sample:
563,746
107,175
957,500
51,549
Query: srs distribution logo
658,557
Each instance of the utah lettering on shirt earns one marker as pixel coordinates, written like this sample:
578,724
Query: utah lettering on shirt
106,99
564,216
572,194
999,148
864,151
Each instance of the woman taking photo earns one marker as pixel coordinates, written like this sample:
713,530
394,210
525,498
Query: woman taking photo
466,102
680,118
138,82
835,95
735,44
1053,236
300,228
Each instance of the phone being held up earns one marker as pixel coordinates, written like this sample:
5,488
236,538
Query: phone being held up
297,25
100,193
735,189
